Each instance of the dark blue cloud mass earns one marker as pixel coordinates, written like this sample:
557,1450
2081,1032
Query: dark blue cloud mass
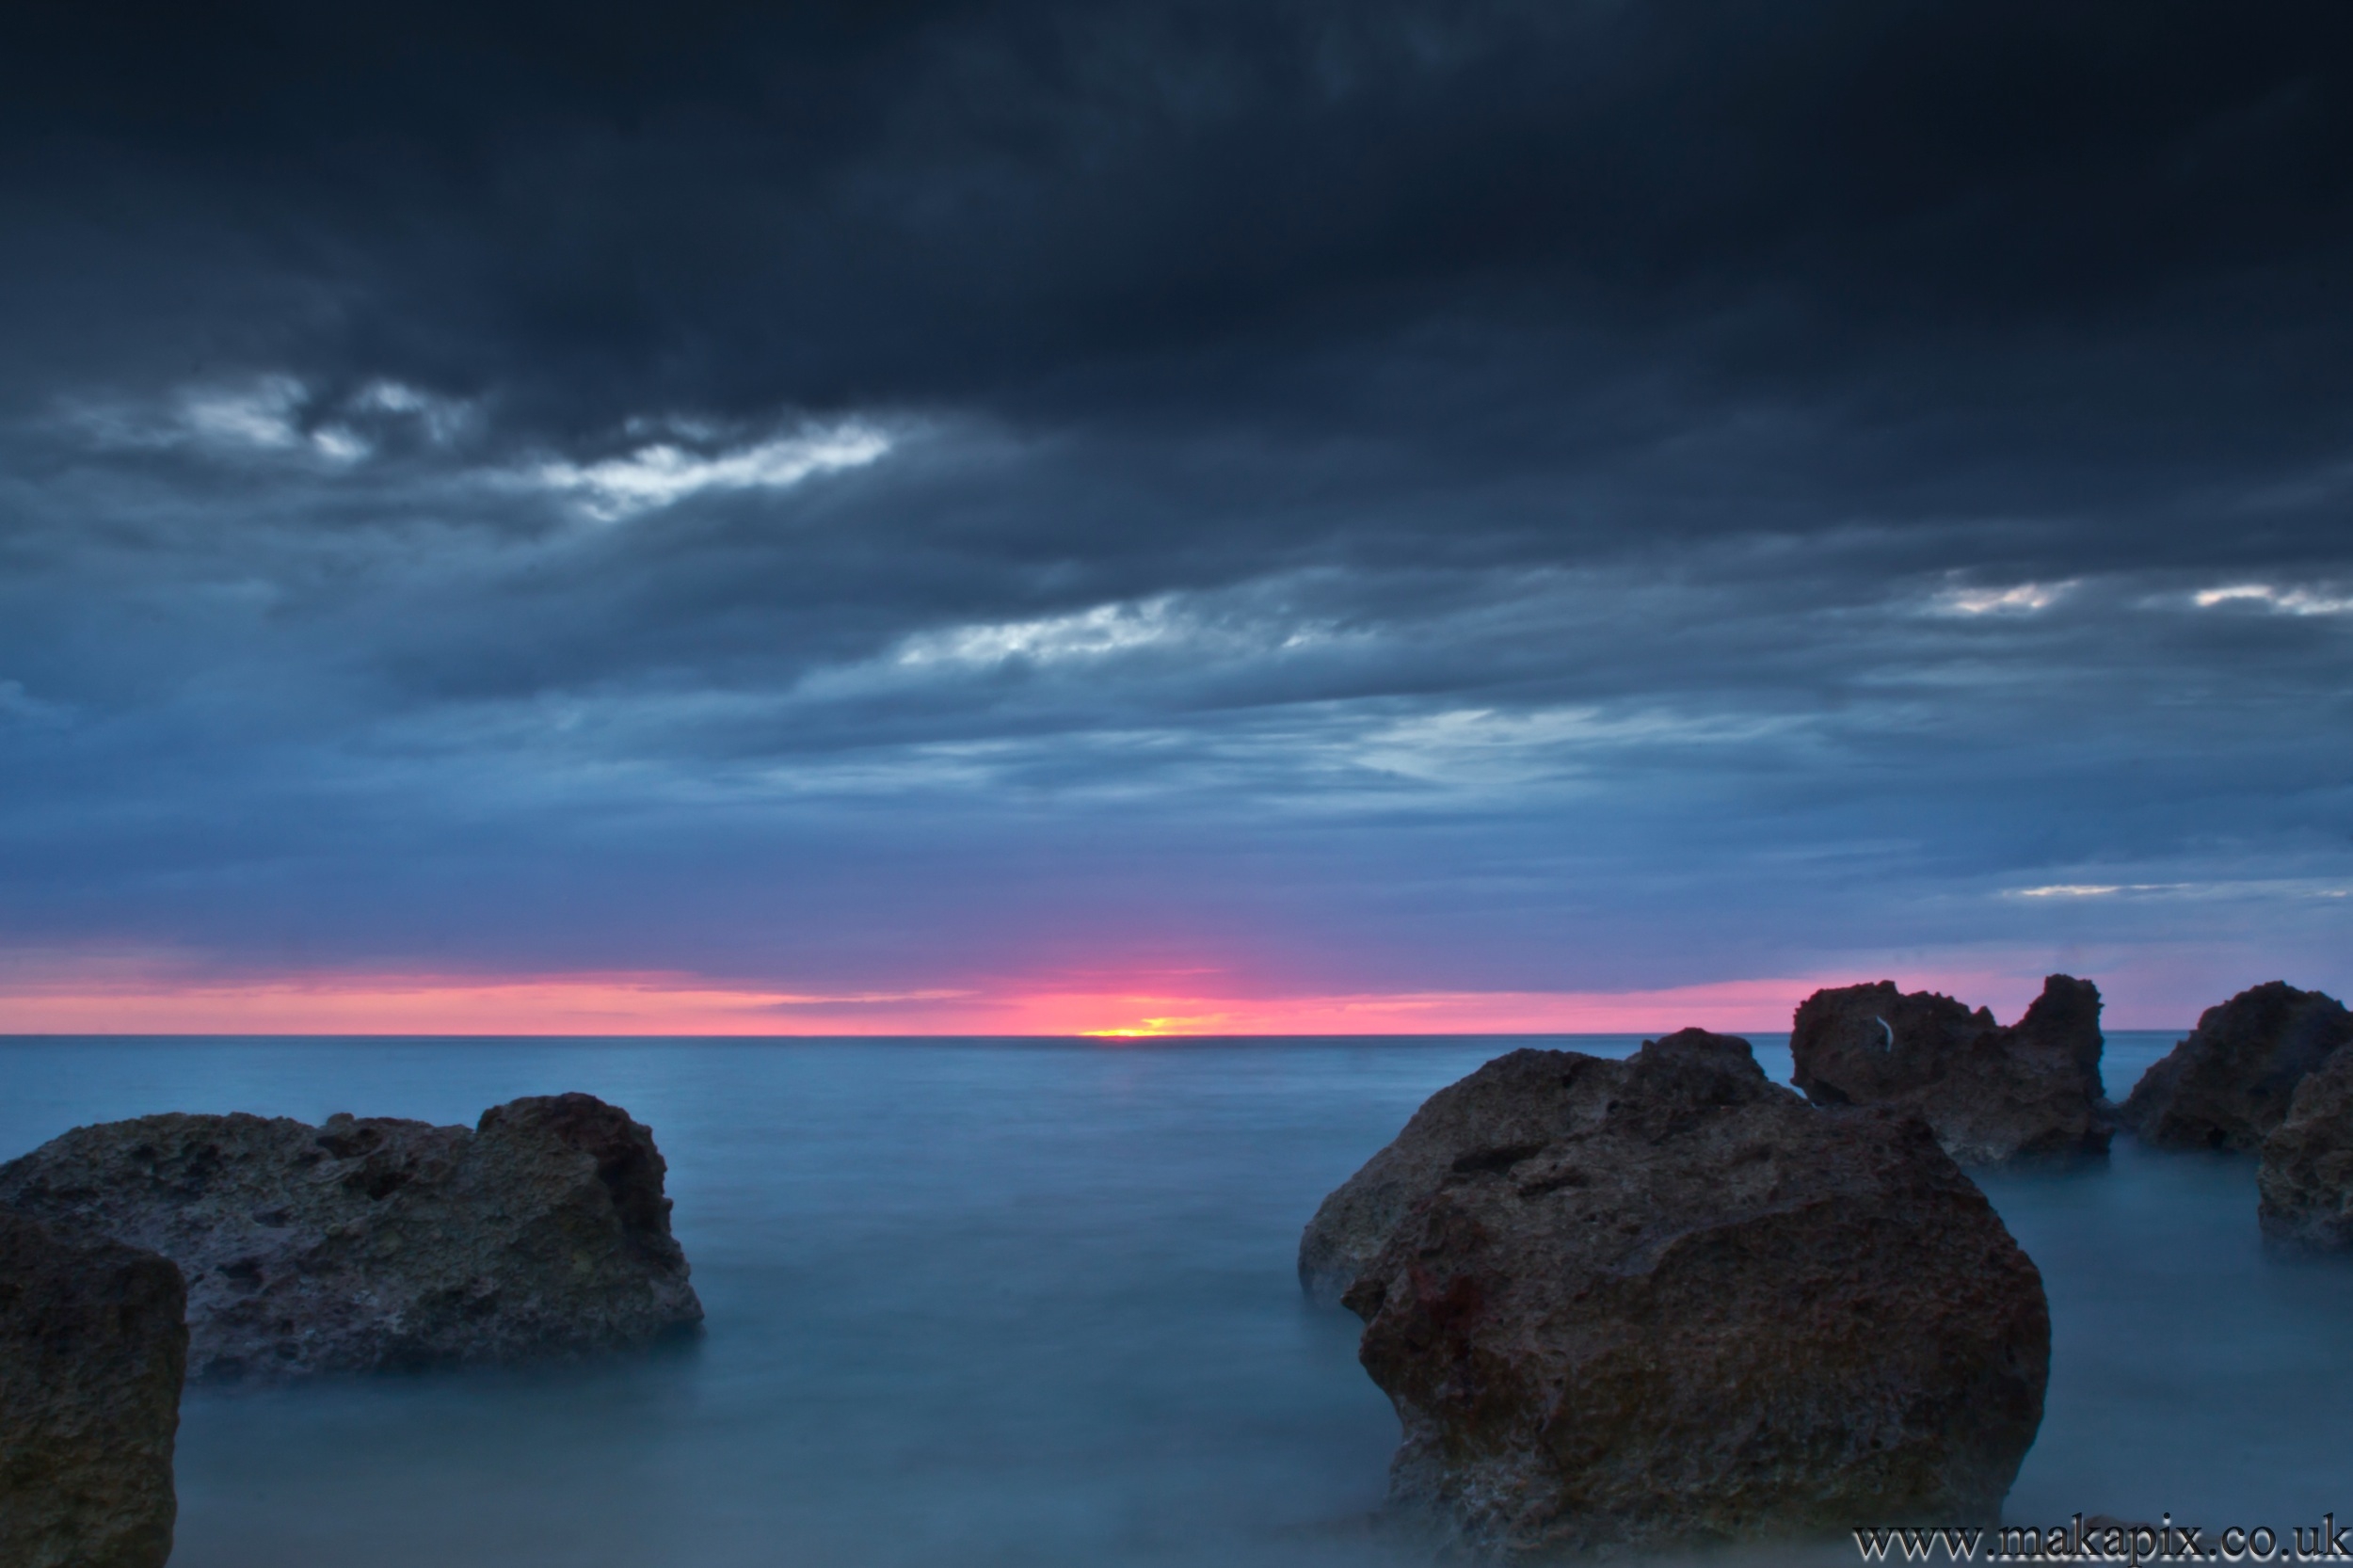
1423,497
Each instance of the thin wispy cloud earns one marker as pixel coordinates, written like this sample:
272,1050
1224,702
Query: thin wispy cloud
2022,598
1087,633
661,474
2289,601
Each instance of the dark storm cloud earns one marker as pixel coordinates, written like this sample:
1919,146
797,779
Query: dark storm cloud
743,208
1502,494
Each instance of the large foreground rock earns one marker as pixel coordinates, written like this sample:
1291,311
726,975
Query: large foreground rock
372,1242
2229,1084
2307,1175
1699,1308
1992,1094
92,1347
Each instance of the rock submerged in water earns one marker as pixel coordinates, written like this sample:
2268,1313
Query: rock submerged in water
1993,1096
2307,1175
93,1349
1663,1301
373,1243
2229,1084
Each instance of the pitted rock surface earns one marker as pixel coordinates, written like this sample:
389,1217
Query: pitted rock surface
373,1243
2307,1175
93,1348
1498,1115
1698,1308
2230,1083
1993,1095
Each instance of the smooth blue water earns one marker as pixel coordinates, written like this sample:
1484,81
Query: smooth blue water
990,1302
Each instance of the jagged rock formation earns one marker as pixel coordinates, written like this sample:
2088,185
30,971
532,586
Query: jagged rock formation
1674,1302
2229,1084
1993,1095
373,1242
93,1348
2307,1175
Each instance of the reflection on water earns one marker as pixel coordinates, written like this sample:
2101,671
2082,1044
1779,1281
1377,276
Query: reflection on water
994,1304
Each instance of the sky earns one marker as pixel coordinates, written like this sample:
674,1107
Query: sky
1264,518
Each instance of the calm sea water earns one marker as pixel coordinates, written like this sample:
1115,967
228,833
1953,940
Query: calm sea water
985,1303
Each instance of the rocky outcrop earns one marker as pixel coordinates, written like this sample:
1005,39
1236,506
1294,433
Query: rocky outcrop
1690,1307
2229,1084
373,1243
2307,1175
1993,1095
92,1347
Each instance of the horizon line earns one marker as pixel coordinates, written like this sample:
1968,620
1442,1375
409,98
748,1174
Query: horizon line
1088,1036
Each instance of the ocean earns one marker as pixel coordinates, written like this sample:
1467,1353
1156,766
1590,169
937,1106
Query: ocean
997,1303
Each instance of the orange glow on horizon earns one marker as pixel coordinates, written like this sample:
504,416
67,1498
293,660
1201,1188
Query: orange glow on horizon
84,996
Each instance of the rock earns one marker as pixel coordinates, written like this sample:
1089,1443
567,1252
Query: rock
93,1348
373,1243
2229,1084
1513,1104
1697,1308
2307,1175
1993,1096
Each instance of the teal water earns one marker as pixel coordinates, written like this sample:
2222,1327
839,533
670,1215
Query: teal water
1005,1303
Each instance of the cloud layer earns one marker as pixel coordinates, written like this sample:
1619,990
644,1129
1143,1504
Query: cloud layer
1251,501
